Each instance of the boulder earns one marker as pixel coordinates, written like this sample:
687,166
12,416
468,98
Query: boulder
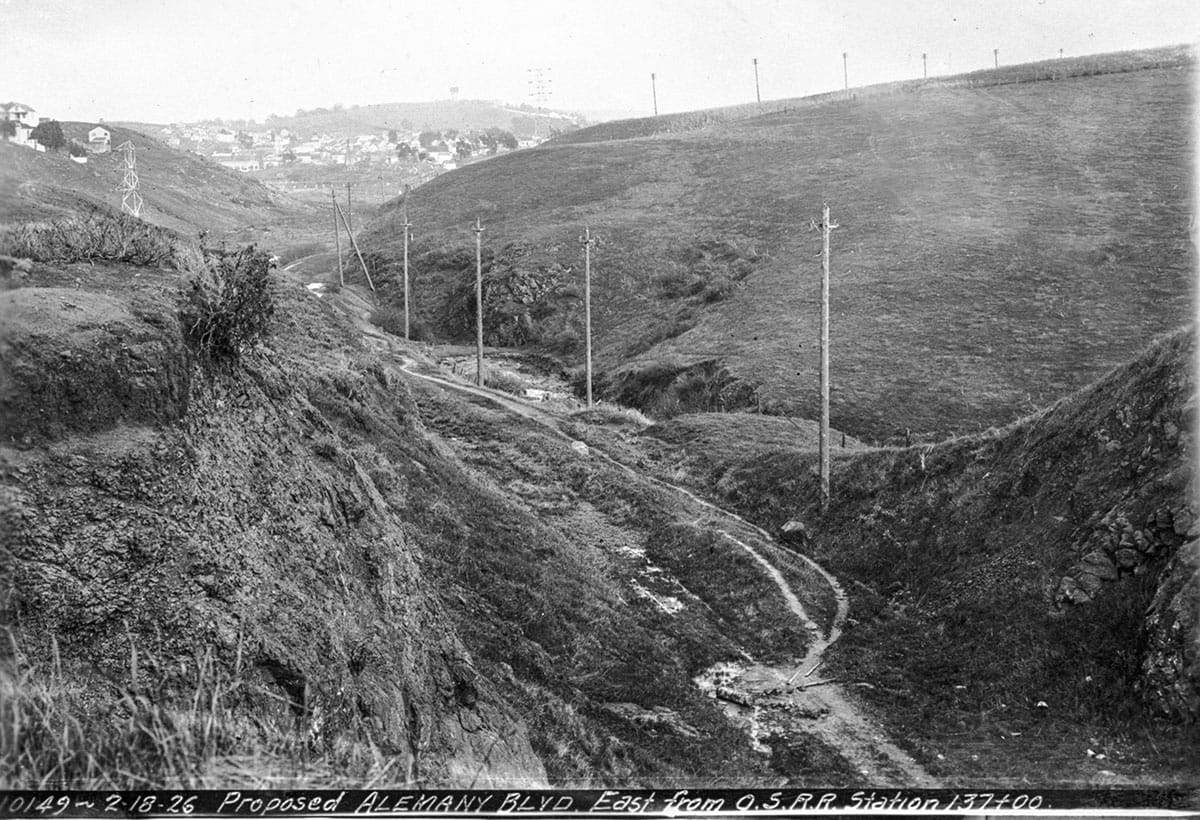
1127,559
1069,590
1098,563
1090,583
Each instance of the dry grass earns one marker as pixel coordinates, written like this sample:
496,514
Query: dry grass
162,728
95,237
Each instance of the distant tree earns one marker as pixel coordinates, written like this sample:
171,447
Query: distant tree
450,133
8,129
403,150
338,107
77,149
463,149
289,156
393,137
506,139
428,138
440,145
245,140
50,134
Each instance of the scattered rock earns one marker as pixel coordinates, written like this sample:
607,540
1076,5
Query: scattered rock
1127,559
1098,563
1183,520
579,447
1069,590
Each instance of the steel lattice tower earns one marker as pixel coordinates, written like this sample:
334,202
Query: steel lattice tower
131,200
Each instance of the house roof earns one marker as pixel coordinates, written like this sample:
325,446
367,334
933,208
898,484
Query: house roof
14,106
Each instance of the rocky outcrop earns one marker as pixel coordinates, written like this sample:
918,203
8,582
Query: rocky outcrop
1171,664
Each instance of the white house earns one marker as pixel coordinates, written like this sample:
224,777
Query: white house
242,164
99,140
24,120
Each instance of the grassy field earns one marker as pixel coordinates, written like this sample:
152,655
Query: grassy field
180,190
999,246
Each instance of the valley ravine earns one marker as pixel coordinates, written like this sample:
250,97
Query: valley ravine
788,699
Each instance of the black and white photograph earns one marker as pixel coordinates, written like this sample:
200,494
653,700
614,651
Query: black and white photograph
618,407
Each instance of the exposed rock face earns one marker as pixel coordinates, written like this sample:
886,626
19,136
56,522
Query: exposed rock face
237,513
1171,666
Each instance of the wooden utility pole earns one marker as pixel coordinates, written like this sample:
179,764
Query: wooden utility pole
478,303
407,229
925,65
845,70
353,242
349,210
337,238
587,241
826,227
757,94
654,93
996,56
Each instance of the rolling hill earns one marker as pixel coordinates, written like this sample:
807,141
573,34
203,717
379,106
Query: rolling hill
180,190
999,245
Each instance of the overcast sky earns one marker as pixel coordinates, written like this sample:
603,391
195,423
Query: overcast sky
171,60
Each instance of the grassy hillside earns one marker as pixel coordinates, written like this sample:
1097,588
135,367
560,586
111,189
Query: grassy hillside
1088,65
999,247
180,190
1055,561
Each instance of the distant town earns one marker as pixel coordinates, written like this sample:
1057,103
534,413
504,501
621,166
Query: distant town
245,147
255,150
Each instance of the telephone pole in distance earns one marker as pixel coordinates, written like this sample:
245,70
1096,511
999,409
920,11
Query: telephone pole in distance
478,302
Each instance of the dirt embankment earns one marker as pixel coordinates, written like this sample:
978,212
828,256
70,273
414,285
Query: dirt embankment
1040,575
157,511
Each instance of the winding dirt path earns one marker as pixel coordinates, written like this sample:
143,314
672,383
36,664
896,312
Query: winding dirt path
765,698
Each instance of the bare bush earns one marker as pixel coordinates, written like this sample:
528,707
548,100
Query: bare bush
228,303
